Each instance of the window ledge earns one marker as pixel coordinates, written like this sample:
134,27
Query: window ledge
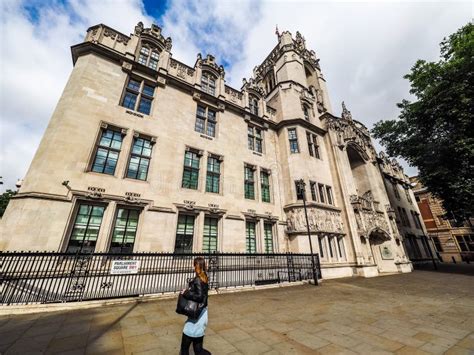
134,113
206,137
257,153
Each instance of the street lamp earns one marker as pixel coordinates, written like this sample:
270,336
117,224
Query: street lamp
301,185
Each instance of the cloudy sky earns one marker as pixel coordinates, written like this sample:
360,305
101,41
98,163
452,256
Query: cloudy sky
365,49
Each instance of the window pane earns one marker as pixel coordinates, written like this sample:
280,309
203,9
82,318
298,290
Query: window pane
321,193
210,235
145,106
250,237
200,124
211,129
148,90
125,229
268,238
134,85
184,234
86,228
129,100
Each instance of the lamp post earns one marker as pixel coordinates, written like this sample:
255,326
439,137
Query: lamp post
302,189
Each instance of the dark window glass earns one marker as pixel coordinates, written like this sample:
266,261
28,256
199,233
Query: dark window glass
138,96
184,234
251,239
210,235
213,174
314,194
249,183
330,240
321,193
268,237
321,249
253,106
208,83
254,139
86,228
191,170
395,190
125,231
329,195
300,191
293,138
205,121
313,146
306,113
139,159
265,185
107,152
462,243
149,58
437,244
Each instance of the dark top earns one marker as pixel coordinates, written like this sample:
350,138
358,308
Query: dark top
197,291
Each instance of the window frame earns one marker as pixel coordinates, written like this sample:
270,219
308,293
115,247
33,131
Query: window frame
149,56
191,169
314,192
128,209
265,187
268,240
300,193
213,174
207,120
293,141
249,239
249,182
74,221
253,105
140,94
321,193
313,146
206,84
306,113
329,196
209,236
255,138
141,156
184,235
115,130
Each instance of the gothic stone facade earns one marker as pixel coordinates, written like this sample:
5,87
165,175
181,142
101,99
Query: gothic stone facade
146,153
405,215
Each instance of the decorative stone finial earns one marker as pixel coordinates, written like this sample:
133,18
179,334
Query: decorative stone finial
138,28
346,114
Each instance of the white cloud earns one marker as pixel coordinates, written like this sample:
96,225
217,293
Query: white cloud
35,64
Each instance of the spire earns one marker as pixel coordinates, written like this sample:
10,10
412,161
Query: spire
276,31
346,114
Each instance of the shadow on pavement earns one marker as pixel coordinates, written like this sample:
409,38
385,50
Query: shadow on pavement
450,268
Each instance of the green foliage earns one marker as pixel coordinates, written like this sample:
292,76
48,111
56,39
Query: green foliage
4,199
436,132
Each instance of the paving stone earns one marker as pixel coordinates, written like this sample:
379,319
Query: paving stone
251,346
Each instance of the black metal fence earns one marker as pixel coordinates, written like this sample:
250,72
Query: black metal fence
47,277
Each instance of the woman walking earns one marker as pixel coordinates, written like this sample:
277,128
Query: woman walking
194,329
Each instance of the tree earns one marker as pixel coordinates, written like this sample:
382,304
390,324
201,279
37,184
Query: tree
4,199
435,133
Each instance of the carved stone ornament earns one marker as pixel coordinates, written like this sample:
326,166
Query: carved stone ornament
94,195
300,41
346,114
234,95
127,67
132,199
253,86
210,62
320,220
138,28
168,44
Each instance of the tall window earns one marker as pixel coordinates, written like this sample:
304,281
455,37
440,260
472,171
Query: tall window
405,215
210,235
300,191
213,174
191,170
395,190
268,237
313,146
208,83
205,121
321,193
330,246
249,182
293,138
265,185
306,112
253,105
184,234
407,194
149,57
251,239
416,219
466,242
329,195
139,159
107,152
86,228
314,193
138,96
437,244
125,231
254,138
321,247
340,248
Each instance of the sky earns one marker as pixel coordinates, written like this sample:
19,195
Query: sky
365,49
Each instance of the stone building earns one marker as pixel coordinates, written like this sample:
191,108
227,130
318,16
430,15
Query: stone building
146,153
453,242
405,213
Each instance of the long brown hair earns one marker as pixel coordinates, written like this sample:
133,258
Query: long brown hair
200,268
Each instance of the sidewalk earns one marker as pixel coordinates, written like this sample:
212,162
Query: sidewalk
417,313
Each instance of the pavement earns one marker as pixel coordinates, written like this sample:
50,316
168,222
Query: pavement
418,313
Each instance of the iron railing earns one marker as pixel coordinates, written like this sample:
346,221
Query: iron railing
47,277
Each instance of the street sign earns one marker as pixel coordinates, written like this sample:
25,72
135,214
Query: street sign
122,267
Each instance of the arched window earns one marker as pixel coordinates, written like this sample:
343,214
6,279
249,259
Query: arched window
253,105
149,57
208,83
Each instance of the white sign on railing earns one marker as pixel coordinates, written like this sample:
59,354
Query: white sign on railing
120,267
